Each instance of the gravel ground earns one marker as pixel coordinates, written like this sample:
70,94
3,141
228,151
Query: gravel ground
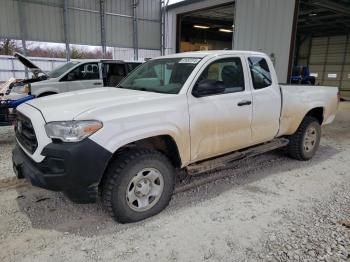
6,144
268,208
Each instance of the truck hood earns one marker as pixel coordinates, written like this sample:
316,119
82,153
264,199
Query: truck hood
70,105
29,64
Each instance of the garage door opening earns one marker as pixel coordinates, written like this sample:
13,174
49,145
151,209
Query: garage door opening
323,44
206,29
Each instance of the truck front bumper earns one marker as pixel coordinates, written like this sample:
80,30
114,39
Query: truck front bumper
74,168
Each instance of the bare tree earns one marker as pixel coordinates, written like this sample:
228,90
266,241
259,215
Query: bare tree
8,46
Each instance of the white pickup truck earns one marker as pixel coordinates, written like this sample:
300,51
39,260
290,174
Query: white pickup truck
195,111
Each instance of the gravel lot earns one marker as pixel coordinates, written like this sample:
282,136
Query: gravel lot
268,208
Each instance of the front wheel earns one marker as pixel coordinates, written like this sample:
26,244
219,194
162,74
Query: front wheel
138,185
304,143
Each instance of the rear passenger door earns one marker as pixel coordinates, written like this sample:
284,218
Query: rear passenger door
266,99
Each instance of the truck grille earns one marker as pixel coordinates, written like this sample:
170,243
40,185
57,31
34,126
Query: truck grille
25,133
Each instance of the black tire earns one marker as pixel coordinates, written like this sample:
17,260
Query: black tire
296,148
122,171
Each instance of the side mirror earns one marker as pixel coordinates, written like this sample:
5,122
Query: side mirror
208,87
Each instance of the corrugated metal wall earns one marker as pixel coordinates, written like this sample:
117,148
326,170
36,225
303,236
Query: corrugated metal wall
329,61
9,24
266,26
126,53
44,21
11,67
170,20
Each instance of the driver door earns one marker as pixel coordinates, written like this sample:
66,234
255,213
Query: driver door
84,76
221,123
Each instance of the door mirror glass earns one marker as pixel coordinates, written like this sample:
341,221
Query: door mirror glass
209,87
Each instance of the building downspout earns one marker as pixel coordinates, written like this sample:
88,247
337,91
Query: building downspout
65,28
164,6
135,30
23,30
103,28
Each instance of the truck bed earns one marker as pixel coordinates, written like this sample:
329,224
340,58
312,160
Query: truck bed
298,100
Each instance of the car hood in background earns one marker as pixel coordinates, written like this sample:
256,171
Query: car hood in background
29,64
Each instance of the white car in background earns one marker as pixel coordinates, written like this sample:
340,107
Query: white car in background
72,76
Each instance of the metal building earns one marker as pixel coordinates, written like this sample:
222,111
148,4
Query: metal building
123,23
323,42
308,33
257,25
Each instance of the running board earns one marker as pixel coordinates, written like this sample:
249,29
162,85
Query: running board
225,160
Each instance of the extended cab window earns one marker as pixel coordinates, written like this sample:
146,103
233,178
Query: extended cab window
260,72
227,72
87,71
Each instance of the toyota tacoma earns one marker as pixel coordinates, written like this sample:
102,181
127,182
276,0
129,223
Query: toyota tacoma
195,111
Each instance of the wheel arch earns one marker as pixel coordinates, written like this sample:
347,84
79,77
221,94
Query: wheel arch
164,143
290,122
47,93
316,112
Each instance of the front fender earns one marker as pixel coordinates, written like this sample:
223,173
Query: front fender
112,138
37,91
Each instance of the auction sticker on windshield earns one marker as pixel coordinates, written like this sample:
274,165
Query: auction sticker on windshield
189,61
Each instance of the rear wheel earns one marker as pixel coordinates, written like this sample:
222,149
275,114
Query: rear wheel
304,143
138,184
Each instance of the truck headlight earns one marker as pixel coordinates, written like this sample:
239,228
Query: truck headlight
72,131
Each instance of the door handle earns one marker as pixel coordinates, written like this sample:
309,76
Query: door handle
244,103
97,84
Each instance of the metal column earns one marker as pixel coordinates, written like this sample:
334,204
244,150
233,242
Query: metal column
293,41
325,61
65,28
163,12
309,51
343,62
135,30
23,29
161,27
103,27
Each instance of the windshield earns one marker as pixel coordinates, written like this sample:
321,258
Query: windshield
161,75
62,69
